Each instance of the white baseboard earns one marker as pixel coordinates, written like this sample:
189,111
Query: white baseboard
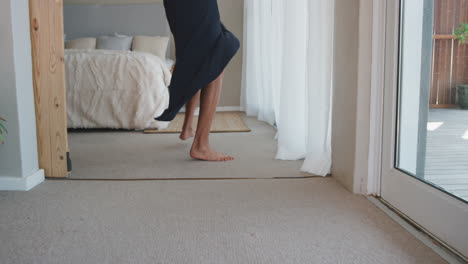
22,184
221,109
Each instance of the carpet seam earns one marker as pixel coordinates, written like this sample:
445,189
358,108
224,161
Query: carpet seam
185,179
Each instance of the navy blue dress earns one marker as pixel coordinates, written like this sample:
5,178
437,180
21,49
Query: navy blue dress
204,47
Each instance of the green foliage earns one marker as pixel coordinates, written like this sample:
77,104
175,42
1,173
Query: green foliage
3,130
461,33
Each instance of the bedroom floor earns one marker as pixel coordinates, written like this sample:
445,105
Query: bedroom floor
311,220
134,155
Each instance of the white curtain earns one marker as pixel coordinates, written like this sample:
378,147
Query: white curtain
287,80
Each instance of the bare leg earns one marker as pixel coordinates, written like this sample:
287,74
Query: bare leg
187,129
209,100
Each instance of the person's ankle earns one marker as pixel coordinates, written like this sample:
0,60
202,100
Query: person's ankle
187,128
200,146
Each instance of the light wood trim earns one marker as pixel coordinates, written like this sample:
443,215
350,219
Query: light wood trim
436,106
46,18
443,37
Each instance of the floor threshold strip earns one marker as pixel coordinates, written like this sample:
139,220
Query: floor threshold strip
184,179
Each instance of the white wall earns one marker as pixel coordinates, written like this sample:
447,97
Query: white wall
345,91
19,169
363,97
232,15
10,152
352,93
96,20
112,2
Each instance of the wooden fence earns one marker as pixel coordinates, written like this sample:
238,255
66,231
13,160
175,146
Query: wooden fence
450,60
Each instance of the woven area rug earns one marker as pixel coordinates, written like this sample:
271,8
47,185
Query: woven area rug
224,122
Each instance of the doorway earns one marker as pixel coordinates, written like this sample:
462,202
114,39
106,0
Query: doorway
124,153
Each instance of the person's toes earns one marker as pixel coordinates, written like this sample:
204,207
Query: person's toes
228,158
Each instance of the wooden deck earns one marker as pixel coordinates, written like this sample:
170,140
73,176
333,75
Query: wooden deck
447,150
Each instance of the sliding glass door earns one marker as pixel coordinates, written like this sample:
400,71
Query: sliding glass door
425,152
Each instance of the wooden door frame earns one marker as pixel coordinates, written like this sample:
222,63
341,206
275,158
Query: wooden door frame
47,43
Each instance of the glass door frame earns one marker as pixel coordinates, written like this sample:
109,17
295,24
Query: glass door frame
426,71
433,209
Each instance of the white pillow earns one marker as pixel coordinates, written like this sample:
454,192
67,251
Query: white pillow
154,45
81,43
114,43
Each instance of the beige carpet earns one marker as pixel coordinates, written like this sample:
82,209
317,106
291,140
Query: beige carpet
299,221
223,122
133,155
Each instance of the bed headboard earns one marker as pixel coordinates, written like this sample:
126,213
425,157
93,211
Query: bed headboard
92,20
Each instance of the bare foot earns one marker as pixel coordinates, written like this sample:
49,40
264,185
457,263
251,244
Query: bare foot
187,133
208,154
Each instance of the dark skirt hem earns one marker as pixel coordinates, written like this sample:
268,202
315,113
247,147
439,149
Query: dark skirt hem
220,67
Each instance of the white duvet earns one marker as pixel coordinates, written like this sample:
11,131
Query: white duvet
115,89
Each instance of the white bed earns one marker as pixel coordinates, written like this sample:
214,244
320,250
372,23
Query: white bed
115,89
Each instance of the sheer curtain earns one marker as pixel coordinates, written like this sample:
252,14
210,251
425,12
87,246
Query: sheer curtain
287,80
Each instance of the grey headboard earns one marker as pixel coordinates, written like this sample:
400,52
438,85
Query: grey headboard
91,20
